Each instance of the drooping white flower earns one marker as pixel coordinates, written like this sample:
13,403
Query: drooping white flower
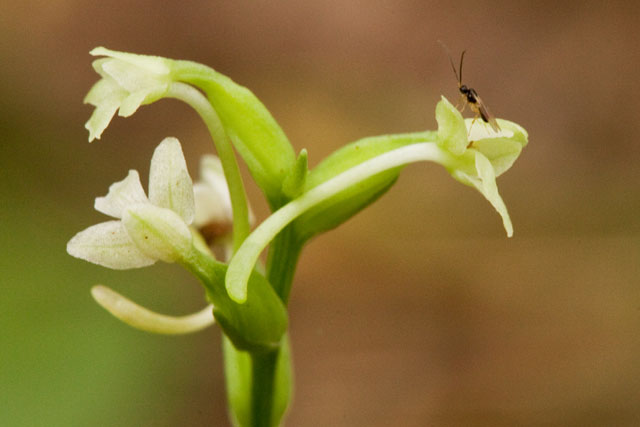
128,81
145,229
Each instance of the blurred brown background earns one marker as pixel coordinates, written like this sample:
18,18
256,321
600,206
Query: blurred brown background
417,312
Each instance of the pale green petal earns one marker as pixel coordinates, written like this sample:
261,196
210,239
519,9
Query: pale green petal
97,66
169,183
478,129
108,244
158,232
519,133
452,132
501,152
121,194
501,148
101,117
102,90
132,102
154,64
129,76
486,184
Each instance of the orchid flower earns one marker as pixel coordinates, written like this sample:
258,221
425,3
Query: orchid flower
128,81
146,229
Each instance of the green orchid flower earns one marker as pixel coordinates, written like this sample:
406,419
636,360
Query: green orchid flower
476,155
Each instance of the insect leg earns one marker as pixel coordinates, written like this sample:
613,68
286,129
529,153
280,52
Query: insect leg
464,101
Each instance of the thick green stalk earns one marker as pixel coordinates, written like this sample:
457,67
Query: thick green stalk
199,102
281,265
282,260
262,387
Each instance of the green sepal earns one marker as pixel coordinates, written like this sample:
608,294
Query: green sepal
452,132
336,210
238,373
293,184
253,131
256,325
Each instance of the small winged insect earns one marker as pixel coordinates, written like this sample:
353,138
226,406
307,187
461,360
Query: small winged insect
470,96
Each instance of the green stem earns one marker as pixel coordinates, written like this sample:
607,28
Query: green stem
262,387
199,102
281,265
282,260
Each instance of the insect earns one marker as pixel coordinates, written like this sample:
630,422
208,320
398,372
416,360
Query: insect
470,96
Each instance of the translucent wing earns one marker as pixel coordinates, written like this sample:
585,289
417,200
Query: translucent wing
486,114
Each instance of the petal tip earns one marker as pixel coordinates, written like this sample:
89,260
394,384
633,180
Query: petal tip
99,51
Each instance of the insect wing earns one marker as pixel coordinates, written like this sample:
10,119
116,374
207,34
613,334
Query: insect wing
486,114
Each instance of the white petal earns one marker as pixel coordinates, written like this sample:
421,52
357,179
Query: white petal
101,117
212,198
169,183
122,194
487,186
212,174
158,232
109,245
210,166
210,206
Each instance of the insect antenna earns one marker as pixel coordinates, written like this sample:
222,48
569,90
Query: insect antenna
461,59
453,67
